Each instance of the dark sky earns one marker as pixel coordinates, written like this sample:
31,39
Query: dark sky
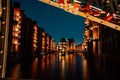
56,22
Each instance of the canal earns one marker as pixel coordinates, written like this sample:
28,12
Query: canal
53,67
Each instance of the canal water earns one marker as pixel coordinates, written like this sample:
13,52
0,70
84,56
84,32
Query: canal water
53,67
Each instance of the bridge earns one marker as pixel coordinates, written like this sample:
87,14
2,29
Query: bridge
96,35
76,10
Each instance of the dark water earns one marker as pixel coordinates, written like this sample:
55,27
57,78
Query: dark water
51,67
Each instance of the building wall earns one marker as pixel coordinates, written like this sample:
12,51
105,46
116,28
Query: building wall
26,38
40,44
79,48
15,30
111,52
46,42
106,46
104,49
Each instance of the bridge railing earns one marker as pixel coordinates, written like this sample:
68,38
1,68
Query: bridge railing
90,12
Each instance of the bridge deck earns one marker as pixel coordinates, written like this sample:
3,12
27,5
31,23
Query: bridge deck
69,9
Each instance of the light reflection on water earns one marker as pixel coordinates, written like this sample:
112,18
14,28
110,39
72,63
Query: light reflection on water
52,66
63,67
34,67
85,69
16,71
43,63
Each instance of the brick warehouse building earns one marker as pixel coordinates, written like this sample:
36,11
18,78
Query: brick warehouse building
26,38
104,42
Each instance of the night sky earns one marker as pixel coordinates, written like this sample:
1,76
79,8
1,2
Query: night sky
56,22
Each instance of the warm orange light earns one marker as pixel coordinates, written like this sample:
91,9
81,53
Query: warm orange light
34,45
43,63
15,41
35,38
35,32
43,33
34,66
76,5
0,11
17,14
95,33
35,35
18,26
35,27
17,11
16,34
17,18
85,69
35,41
16,70
16,29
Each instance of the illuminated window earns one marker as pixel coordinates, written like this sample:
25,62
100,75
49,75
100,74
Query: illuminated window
17,18
35,38
15,41
35,27
34,45
35,41
16,29
18,26
43,34
17,11
15,34
35,35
